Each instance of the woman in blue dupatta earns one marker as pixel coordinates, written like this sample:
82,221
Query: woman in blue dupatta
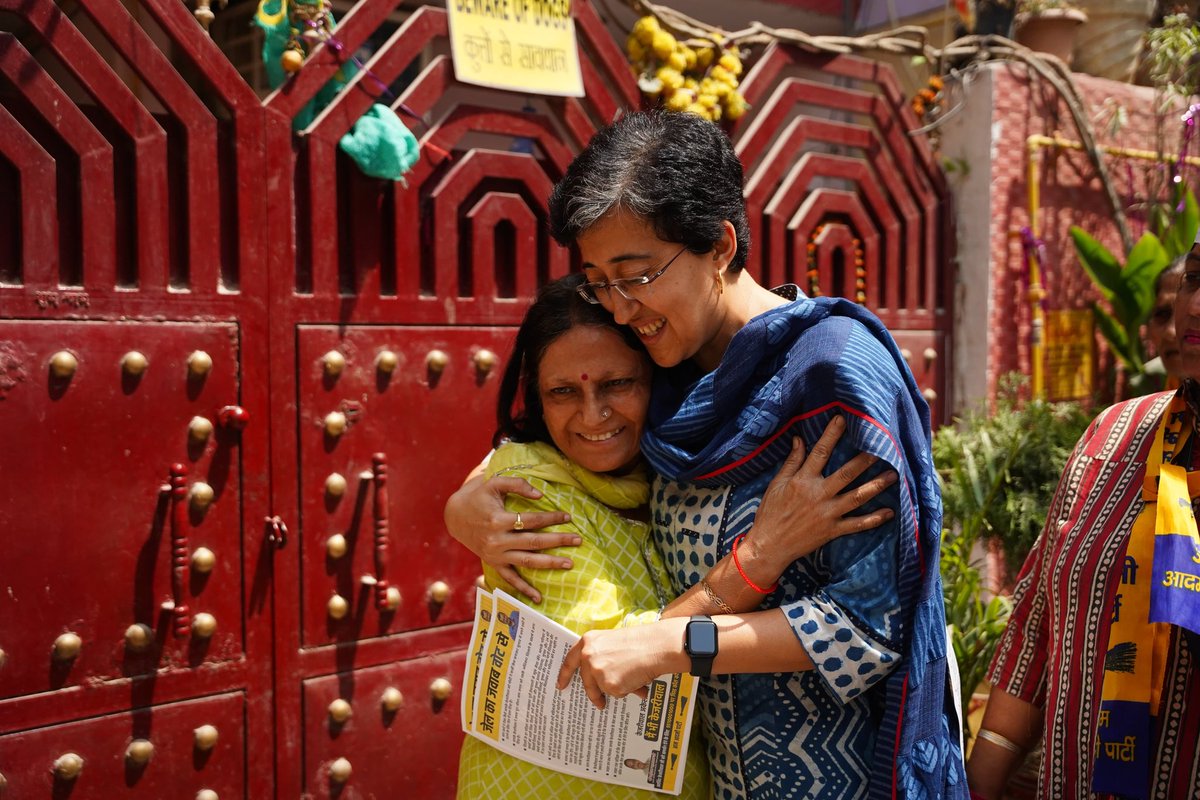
836,686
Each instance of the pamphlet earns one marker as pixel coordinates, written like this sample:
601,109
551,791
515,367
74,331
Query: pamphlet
510,702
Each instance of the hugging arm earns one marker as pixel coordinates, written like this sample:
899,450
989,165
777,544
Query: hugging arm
802,510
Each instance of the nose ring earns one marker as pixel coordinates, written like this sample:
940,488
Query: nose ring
606,413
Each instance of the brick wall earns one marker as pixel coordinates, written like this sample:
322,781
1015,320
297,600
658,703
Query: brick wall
1070,195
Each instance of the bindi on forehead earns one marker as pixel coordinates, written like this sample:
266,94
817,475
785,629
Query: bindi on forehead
583,377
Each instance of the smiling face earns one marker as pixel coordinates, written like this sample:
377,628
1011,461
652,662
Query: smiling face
1187,316
681,314
594,392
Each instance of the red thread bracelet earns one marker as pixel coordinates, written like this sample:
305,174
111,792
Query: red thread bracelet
746,577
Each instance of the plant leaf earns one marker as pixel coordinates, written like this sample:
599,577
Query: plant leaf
1146,260
1118,340
1097,261
1179,237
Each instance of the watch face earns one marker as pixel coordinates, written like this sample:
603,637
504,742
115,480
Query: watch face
702,638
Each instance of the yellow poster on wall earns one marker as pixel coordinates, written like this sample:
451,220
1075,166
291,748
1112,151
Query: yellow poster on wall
1070,336
523,46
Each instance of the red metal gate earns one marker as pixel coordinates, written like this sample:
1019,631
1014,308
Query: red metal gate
238,379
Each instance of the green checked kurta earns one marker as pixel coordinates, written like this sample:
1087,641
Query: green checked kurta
618,580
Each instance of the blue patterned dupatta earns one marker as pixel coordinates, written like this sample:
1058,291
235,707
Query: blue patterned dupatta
784,374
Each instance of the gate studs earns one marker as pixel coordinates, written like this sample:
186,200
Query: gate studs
334,362
440,689
340,711
200,495
204,625
207,794
340,770
67,766
485,361
436,361
139,637
199,364
203,560
391,699
387,361
67,646
199,429
335,423
63,364
335,546
439,592
392,598
139,752
205,737
338,607
335,484
134,363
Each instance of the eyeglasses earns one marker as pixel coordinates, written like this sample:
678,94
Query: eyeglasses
592,291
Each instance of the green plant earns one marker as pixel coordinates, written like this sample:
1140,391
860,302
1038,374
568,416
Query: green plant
1128,288
998,473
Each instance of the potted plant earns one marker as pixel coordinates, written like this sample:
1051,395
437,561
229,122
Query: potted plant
1048,26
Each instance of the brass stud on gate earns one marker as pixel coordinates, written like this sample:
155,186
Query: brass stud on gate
3,658
387,361
439,592
200,495
335,423
930,354
205,737
199,429
440,689
139,637
139,752
67,646
335,546
391,699
203,560
392,598
340,711
906,354
436,361
199,363
930,395
63,364
204,625
335,484
334,362
207,794
134,363
67,766
485,360
340,770
337,606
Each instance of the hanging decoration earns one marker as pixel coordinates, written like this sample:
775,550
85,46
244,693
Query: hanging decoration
814,277
699,76
378,143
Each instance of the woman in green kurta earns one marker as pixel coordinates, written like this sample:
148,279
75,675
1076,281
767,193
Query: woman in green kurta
572,405
581,387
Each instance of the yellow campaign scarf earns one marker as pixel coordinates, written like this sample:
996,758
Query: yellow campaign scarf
1158,588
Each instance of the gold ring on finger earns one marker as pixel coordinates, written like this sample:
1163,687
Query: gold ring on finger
518,525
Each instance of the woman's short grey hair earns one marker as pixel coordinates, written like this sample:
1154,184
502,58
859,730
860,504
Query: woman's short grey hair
673,169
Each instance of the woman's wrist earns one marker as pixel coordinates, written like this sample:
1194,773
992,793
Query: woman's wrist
759,565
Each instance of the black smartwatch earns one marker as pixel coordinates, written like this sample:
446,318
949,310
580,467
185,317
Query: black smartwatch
700,643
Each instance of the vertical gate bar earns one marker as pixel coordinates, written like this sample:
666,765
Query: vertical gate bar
181,614
98,216
39,203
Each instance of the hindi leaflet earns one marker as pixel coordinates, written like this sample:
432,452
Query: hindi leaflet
510,702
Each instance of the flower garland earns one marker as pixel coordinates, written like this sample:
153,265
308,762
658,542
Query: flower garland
860,272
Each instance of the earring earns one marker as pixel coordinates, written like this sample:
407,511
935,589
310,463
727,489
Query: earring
720,284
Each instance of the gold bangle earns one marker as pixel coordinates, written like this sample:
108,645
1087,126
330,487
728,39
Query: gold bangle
713,598
1000,741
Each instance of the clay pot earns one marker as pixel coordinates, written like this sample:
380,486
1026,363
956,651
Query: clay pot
1050,31
1109,45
